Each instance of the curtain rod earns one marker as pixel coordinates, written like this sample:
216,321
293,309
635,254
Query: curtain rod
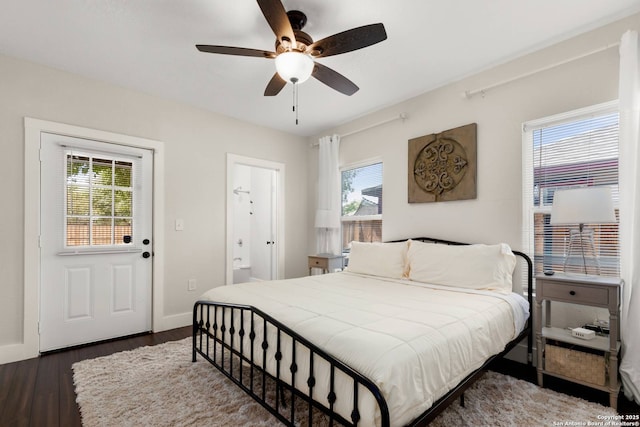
470,93
401,116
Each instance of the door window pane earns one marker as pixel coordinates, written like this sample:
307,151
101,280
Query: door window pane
122,176
122,205
99,205
102,202
102,171
77,231
77,200
101,231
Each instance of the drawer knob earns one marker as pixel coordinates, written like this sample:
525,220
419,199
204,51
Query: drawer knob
572,293
317,262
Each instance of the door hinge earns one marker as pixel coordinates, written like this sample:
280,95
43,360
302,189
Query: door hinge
40,241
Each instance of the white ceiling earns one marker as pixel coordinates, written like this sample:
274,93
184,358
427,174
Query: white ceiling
149,45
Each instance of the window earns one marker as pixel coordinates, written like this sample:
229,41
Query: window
99,200
361,204
577,149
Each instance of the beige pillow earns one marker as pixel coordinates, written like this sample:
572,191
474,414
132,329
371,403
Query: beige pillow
378,259
487,267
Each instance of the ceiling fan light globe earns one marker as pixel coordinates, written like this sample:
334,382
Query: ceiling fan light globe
294,67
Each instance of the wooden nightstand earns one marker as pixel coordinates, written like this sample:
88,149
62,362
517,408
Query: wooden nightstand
327,262
596,291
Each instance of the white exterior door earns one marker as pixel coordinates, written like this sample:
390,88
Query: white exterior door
95,243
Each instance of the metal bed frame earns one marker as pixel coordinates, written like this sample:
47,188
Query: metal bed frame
232,337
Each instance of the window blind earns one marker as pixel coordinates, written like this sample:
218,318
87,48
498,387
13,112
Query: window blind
578,149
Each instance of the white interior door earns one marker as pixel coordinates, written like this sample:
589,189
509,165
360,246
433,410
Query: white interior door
263,223
95,242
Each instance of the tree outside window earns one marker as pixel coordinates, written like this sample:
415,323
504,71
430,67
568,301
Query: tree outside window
361,204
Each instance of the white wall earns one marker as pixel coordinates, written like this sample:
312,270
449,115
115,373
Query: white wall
196,143
495,215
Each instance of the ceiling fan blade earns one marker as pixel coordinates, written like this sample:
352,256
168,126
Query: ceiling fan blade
240,51
274,86
347,41
277,18
334,80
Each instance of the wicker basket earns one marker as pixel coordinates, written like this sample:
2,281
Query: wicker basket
576,364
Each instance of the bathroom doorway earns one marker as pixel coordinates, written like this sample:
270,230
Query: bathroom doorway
255,233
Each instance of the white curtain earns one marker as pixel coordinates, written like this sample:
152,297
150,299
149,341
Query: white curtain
329,206
629,96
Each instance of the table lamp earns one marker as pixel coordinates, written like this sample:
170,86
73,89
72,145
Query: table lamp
584,205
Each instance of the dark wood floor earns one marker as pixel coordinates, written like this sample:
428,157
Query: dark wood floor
39,392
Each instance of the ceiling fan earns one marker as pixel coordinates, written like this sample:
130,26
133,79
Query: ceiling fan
295,50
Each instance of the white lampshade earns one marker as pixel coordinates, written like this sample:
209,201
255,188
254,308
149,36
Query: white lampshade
585,205
326,218
294,67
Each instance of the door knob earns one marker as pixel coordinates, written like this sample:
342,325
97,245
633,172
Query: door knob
146,254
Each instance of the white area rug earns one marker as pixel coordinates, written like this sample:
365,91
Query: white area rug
160,386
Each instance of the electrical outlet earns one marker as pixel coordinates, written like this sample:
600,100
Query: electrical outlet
192,284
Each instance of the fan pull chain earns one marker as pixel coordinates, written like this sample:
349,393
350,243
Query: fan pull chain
296,90
295,97
294,81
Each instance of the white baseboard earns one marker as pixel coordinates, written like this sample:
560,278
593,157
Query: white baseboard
16,352
174,321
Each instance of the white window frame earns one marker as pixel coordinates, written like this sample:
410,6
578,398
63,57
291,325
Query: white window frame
356,165
528,208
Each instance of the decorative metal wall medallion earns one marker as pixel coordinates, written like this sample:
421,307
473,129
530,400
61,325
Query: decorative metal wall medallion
443,166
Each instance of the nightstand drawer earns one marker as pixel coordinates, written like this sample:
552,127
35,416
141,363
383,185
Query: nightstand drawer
575,294
328,263
318,262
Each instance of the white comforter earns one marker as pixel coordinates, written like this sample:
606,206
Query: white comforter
414,341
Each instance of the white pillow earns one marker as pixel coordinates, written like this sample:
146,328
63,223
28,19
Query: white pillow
378,259
487,267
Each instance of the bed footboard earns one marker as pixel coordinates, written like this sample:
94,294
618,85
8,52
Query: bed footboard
288,375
